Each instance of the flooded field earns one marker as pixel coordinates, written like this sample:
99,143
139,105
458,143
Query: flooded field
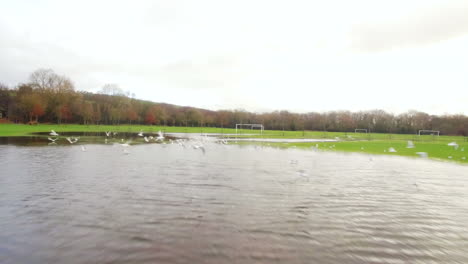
217,203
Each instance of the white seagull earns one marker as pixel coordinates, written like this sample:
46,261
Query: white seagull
53,133
72,140
199,147
453,144
126,144
52,141
160,136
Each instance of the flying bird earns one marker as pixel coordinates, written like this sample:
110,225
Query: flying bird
126,144
72,140
160,136
199,147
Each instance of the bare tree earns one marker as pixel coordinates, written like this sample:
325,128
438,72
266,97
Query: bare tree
48,80
111,89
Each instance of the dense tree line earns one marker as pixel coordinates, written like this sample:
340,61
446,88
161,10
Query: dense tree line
51,98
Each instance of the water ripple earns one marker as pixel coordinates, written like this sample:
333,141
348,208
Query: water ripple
232,205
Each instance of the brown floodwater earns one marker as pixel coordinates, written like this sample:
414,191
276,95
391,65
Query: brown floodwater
168,203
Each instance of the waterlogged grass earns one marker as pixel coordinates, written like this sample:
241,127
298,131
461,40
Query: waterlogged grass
374,143
436,150
349,136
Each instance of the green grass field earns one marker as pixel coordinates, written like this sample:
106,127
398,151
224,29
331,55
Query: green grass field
15,130
375,143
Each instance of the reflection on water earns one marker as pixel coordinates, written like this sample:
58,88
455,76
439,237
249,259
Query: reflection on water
23,141
231,204
44,139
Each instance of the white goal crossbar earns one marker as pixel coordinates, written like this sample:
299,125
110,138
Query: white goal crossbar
252,126
360,130
432,132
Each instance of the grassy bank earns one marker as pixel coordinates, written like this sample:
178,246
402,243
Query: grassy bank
375,143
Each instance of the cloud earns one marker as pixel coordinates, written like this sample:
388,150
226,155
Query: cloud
258,55
426,25
217,72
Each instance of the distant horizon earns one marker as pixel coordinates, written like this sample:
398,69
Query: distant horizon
10,86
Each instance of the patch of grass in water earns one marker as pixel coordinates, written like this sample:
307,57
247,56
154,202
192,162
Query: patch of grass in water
435,150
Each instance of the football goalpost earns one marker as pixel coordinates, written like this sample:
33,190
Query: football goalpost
251,126
360,130
429,132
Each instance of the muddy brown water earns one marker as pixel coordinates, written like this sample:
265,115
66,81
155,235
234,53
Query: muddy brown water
160,203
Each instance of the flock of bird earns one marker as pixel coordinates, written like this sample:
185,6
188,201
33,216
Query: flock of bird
160,138
411,145
197,144
71,140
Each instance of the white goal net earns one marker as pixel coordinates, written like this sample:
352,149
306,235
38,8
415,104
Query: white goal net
428,132
251,128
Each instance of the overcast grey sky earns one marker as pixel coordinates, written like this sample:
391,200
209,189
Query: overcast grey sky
256,55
